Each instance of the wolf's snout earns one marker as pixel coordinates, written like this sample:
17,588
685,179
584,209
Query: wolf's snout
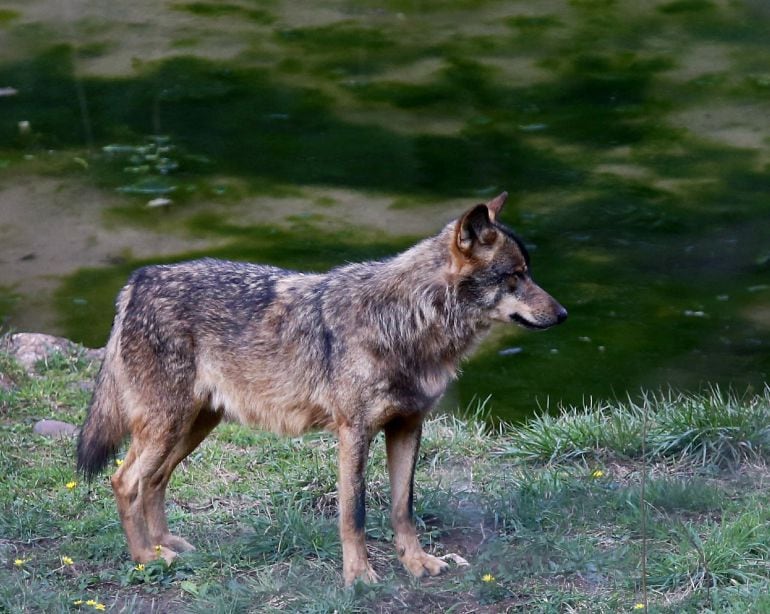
561,315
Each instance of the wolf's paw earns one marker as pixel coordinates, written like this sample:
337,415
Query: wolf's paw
155,553
176,543
422,563
364,572
166,554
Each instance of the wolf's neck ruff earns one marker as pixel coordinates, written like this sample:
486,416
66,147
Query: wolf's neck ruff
411,307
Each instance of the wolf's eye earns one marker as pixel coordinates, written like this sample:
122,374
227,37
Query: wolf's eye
514,278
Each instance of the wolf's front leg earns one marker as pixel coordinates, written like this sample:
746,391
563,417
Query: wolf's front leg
353,452
402,442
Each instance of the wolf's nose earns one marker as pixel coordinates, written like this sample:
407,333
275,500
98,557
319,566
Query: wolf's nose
561,315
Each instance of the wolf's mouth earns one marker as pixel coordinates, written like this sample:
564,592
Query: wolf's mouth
527,324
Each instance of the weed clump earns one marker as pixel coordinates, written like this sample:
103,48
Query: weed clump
717,428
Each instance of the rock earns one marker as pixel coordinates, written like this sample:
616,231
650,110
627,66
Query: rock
6,383
30,348
87,386
55,428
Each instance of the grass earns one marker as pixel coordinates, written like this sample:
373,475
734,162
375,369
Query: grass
711,428
549,513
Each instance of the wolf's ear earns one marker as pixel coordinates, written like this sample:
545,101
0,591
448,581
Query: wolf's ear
474,228
496,204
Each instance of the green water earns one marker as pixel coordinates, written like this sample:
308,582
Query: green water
635,143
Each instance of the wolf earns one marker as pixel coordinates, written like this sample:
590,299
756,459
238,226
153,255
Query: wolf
364,348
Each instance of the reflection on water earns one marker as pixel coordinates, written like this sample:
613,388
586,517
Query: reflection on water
633,139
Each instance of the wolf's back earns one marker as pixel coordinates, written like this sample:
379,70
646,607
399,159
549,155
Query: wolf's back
104,427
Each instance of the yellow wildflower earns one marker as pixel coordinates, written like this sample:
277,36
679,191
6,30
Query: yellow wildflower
67,560
91,602
487,578
100,606
77,602
598,473
639,606
19,562
139,567
118,461
157,549
71,485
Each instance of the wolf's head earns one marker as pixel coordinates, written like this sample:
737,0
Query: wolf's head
493,270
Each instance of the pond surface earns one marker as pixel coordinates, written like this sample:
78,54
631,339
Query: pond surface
634,139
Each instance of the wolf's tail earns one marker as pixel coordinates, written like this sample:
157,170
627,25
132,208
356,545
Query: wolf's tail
104,428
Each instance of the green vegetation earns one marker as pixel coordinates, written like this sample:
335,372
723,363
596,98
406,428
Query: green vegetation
715,429
631,137
222,9
550,514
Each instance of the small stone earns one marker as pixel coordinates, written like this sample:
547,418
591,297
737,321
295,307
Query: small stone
55,428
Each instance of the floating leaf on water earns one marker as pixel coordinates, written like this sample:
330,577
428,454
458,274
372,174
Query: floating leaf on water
165,166
533,127
137,170
119,149
694,313
147,186
511,351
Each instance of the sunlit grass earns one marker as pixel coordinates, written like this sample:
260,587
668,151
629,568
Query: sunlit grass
716,428
261,509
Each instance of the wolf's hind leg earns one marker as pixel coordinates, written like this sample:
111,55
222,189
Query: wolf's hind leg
154,500
402,444
127,486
